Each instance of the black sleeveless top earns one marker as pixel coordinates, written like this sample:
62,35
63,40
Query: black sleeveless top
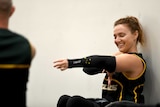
124,88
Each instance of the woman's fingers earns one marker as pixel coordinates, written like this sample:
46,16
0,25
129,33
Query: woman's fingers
61,64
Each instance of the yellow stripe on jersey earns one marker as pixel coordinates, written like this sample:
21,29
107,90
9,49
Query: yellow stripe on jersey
13,66
140,73
135,93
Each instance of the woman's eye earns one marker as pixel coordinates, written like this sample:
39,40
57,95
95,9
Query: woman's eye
122,35
119,35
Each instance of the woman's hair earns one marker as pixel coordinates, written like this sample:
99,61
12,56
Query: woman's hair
134,25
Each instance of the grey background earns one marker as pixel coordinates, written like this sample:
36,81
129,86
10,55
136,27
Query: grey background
77,28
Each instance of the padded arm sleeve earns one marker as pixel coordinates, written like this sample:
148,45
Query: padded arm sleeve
92,70
100,62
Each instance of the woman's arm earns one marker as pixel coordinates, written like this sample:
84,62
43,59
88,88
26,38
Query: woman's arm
94,70
128,63
101,62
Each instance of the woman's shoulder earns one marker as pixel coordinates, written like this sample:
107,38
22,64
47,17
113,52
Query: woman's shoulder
131,53
128,56
118,53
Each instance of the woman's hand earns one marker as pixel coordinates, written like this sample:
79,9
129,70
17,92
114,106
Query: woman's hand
61,64
109,77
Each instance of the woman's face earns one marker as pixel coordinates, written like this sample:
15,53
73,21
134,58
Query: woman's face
124,39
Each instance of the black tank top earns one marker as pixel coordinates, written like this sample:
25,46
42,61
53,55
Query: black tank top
124,88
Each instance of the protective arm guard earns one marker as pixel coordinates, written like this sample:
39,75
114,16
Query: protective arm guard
100,62
92,70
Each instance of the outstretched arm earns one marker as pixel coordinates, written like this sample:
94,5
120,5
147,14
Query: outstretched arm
100,62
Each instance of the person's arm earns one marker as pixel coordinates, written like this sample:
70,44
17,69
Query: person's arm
101,62
33,51
94,70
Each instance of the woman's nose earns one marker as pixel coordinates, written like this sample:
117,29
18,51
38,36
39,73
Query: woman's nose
117,39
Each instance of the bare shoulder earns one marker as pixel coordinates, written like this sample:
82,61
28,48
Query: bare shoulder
128,62
126,56
117,53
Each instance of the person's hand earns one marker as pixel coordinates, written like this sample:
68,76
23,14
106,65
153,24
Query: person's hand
61,64
109,76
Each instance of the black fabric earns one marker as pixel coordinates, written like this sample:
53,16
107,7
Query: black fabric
63,101
15,59
92,70
100,101
76,101
100,62
125,88
130,104
14,48
13,87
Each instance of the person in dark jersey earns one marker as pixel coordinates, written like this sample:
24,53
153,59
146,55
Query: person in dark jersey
16,54
124,70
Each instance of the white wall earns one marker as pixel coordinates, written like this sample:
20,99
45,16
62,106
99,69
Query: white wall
77,28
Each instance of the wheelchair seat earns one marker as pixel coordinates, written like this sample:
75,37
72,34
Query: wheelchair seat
122,104
129,104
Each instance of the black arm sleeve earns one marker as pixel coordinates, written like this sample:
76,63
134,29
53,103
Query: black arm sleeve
100,62
92,70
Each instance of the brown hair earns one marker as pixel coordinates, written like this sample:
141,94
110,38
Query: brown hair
134,25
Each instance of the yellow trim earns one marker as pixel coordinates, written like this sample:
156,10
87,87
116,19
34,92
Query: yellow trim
12,66
134,91
120,96
140,73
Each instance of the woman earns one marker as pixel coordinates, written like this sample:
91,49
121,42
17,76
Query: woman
124,71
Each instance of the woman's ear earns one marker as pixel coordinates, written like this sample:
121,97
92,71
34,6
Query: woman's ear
136,33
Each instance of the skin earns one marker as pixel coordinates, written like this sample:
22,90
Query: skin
126,42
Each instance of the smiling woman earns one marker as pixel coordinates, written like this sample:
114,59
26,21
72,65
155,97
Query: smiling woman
124,70
128,32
